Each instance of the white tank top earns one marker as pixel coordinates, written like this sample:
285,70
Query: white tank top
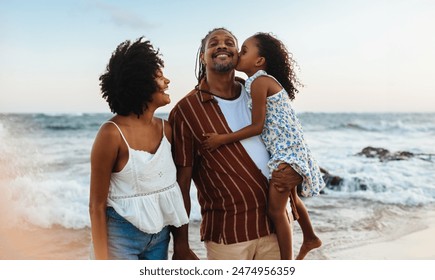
145,192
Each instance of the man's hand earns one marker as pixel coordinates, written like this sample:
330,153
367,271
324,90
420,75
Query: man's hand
285,178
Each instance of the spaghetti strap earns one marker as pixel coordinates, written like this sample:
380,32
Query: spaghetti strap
122,135
163,123
257,74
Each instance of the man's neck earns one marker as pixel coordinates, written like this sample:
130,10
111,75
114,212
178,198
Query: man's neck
223,85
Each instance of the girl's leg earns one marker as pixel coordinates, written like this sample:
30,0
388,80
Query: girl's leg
311,241
278,214
277,208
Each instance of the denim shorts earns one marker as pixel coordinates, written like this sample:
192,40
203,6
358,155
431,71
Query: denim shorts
126,242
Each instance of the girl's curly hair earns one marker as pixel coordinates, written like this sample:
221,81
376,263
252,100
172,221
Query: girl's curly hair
129,81
279,62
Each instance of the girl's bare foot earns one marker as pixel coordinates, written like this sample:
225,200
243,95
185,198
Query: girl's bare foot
307,246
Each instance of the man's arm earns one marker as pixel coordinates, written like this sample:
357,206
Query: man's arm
182,249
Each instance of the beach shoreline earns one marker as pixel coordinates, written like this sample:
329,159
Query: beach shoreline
45,197
415,245
58,243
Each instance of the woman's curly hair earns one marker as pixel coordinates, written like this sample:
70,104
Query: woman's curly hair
129,81
279,62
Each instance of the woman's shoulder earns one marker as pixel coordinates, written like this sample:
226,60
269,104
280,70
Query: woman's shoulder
109,130
166,126
108,136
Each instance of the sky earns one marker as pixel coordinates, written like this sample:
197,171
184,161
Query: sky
353,55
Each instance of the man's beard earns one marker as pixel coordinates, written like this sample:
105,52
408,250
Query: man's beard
222,68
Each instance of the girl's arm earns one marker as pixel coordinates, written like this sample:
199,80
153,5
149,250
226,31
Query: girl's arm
259,91
103,157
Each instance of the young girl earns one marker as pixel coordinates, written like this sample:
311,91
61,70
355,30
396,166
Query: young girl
272,85
134,196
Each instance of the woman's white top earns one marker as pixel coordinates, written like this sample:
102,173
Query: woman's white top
145,192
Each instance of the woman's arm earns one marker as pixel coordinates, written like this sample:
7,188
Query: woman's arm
103,157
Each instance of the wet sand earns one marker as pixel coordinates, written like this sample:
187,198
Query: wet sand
58,243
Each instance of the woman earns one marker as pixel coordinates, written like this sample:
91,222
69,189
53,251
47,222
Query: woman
134,196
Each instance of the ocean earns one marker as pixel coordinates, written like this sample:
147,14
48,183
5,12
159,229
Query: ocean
44,179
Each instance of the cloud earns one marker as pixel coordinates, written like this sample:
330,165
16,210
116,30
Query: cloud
123,17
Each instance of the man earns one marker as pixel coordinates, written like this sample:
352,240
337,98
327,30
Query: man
232,180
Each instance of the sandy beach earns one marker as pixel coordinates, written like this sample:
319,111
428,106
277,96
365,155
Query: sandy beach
62,244
57,243
415,246
418,245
